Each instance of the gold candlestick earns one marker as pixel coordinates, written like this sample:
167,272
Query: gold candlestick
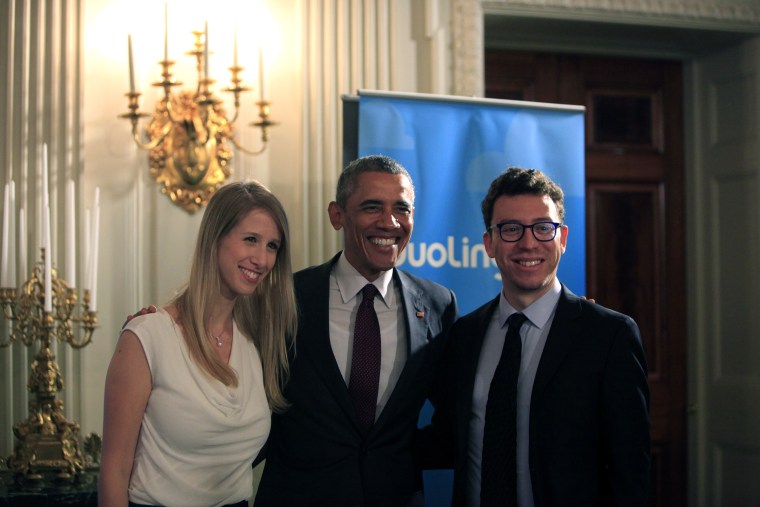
47,444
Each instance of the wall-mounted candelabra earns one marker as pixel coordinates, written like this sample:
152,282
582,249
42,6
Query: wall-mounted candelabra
44,310
189,134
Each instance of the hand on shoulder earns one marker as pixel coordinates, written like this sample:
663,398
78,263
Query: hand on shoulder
143,311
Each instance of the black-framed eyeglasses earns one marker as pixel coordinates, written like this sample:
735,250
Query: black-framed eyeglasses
512,232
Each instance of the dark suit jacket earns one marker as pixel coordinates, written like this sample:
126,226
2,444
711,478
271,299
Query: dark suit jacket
316,454
589,412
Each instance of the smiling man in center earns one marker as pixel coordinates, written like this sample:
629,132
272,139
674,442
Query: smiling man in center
357,384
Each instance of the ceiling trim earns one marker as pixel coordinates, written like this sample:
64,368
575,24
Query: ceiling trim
724,15
468,30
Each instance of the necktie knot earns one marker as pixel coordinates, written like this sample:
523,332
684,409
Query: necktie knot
369,292
516,320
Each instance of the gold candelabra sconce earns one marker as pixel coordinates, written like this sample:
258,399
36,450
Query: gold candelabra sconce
47,443
190,133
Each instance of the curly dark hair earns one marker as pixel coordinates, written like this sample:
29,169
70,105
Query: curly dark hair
519,181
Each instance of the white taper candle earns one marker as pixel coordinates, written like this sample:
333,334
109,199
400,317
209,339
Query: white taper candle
166,31
6,236
71,234
235,49
22,244
45,184
12,237
48,269
86,250
261,74
94,258
131,65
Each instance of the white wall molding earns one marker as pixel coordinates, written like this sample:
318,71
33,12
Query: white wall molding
468,30
725,15
467,34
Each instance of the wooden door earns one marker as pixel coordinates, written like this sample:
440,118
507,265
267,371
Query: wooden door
634,214
726,239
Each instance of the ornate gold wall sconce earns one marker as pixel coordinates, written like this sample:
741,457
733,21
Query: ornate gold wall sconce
189,134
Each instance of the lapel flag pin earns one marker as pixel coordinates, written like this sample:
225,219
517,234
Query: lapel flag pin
420,315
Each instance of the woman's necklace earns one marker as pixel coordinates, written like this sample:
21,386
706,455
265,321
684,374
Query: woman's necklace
218,338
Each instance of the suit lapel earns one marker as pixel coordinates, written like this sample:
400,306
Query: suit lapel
314,304
416,315
561,339
416,312
473,343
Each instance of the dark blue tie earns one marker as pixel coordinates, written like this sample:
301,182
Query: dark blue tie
498,480
365,360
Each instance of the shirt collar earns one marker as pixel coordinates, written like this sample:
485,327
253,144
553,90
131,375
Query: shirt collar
538,313
350,282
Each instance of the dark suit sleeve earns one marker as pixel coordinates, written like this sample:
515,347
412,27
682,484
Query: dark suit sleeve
443,363
625,418
261,456
436,442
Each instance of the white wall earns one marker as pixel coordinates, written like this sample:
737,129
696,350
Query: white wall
320,51
147,241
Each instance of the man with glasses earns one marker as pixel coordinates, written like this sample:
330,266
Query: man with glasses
546,398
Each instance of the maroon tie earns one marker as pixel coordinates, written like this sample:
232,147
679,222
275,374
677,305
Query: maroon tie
365,360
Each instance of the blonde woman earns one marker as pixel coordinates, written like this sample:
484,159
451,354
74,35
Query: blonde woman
190,389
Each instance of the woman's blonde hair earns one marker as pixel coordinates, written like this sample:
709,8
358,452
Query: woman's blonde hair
267,316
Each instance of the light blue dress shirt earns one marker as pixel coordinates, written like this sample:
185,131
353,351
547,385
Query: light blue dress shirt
533,333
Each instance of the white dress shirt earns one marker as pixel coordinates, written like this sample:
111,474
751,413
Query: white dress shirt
345,285
533,333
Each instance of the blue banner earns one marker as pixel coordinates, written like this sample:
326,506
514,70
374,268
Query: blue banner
453,148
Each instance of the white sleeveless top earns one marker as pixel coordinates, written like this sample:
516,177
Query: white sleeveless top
198,437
